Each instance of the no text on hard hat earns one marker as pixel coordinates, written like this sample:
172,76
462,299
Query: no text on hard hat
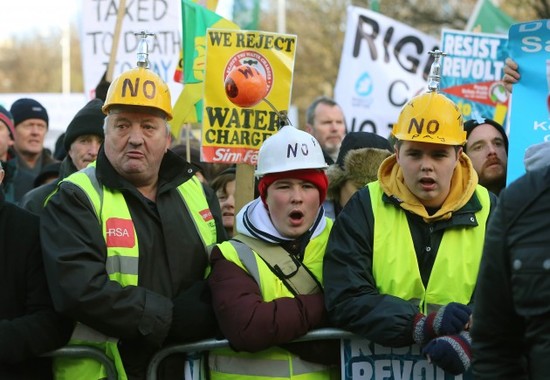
139,87
432,118
289,149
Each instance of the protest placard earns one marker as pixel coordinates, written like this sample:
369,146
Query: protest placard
529,114
232,129
471,73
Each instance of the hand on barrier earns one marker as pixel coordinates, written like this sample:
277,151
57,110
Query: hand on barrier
448,320
452,353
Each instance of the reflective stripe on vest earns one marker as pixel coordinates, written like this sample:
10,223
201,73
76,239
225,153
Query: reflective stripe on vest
123,251
395,265
274,362
266,368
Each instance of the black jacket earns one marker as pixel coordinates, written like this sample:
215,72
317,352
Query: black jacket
21,178
29,326
171,259
511,329
33,201
351,295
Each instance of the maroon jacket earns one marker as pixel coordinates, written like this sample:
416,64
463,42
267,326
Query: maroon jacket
252,325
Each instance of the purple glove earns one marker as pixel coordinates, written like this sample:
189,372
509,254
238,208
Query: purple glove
448,320
452,353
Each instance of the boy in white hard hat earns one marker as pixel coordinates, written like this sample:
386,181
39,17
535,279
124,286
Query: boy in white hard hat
266,282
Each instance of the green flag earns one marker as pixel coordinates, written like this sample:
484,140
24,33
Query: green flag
195,20
246,13
488,18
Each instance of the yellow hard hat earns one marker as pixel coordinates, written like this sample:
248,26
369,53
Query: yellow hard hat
139,87
430,117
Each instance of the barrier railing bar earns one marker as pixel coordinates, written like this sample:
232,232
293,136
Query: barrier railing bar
210,344
79,351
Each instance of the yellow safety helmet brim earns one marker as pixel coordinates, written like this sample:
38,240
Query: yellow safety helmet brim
432,118
139,87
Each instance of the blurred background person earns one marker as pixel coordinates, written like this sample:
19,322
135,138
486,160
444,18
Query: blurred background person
48,174
31,125
487,148
83,138
6,135
357,164
224,184
325,121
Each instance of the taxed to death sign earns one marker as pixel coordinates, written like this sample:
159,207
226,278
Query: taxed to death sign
248,84
364,360
471,73
161,17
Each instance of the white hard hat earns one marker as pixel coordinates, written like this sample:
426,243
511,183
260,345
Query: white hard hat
289,149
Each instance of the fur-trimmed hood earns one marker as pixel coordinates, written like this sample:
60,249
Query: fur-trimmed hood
360,166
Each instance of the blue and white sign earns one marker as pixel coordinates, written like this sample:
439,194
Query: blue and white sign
384,63
364,360
529,114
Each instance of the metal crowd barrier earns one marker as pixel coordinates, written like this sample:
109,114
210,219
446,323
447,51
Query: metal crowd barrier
210,344
77,351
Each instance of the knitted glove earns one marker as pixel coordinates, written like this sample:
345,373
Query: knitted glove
452,353
448,320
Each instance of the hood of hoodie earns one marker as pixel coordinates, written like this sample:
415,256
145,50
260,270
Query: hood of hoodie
537,156
463,185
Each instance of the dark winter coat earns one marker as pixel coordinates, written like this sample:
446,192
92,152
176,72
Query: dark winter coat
511,328
29,326
21,179
171,259
33,201
382,318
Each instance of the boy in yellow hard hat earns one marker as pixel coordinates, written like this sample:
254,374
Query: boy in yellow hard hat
403,256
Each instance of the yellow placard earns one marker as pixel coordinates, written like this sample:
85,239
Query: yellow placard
234,127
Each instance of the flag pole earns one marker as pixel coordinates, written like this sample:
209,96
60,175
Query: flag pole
116,38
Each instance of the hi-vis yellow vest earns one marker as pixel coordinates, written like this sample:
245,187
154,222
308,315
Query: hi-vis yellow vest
395,266
275,362
122,261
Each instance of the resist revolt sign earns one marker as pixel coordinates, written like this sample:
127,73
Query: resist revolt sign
471,73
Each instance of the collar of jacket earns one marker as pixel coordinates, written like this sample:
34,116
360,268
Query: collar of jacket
465,216
173,171
67,167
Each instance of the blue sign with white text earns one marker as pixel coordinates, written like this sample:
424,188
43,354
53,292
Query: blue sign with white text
529,114
364,360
